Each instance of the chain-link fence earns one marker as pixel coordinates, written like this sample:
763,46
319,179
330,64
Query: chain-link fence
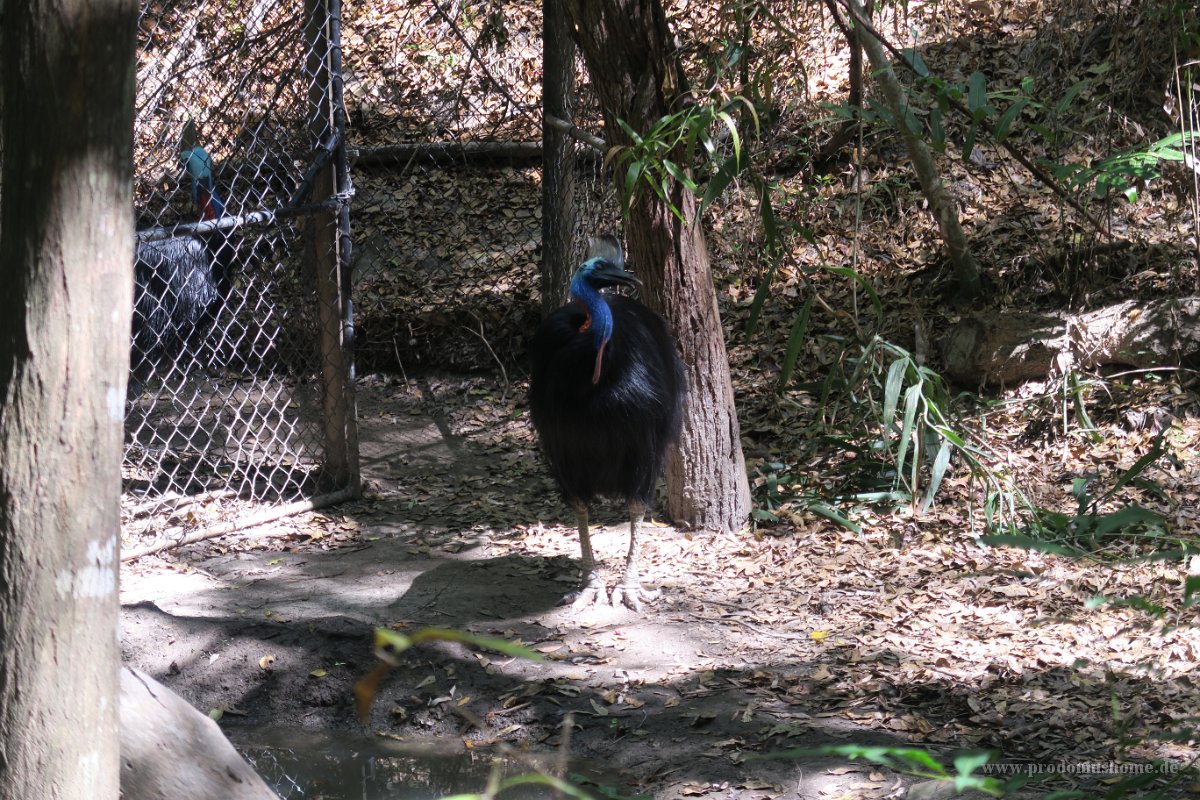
237,388
445,105
240,390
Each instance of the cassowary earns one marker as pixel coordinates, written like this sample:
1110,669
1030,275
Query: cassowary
181,283
606,396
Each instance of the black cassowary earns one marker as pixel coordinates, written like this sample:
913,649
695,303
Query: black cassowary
181,283
606,397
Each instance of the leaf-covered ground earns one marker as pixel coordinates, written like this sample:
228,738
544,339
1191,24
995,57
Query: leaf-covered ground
803,635
796,631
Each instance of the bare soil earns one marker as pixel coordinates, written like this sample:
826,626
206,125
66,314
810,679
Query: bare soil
759,644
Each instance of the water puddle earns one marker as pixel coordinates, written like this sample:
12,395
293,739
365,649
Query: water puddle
347,766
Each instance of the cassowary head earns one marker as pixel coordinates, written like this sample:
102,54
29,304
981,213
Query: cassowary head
604,268
199,166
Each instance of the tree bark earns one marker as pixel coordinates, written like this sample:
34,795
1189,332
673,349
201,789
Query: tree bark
1010,347
66,253
170,750
635,70
558,155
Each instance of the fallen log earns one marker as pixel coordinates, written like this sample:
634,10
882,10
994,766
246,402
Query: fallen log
1009,347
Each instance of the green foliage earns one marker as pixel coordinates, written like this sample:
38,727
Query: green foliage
912,761
904,428
389,644
1099,523
679,146
1088,529
1006,112
1122,173
775,487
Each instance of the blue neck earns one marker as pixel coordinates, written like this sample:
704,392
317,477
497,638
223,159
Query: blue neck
599,314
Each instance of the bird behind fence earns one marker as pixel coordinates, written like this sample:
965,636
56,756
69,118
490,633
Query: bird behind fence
181,283
606,397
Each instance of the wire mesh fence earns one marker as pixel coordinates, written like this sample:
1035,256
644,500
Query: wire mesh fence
236,396
239,391
446,118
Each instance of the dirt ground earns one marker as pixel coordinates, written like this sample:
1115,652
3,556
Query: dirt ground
759,643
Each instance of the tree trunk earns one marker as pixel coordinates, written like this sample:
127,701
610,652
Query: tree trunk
66,253
630,55
1017,346
966,271
558,155
170,750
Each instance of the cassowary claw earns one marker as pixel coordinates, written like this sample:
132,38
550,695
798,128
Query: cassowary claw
591,593
633,594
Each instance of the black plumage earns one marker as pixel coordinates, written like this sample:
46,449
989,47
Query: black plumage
606,398
180,284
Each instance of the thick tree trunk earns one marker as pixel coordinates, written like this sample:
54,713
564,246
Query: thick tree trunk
631,57
66,254
706,474
170,750
1010,347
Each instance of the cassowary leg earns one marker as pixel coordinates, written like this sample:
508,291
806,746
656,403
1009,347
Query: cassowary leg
629,591
593,590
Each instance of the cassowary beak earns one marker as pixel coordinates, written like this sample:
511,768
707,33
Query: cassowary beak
607,273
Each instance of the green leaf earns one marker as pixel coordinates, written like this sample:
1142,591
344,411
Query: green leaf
678,174
846,272
632,175
912,398
937,132
833,515
966,763
976,94
883,113
1126,517
969,141
1029,543
760,298
891,391
719,182
1068,98
795,342
633,135
1155,453
733,131
913,57
941,462
1008,117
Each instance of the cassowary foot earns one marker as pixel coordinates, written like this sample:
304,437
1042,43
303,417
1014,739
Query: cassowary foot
632,594
591,593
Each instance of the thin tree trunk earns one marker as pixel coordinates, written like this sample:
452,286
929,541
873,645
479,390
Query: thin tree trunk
66,253
966,271
632,61
558,155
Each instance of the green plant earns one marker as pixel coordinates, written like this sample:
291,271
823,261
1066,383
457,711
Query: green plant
1122,173
1088,529
901,416
912,761
678,145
